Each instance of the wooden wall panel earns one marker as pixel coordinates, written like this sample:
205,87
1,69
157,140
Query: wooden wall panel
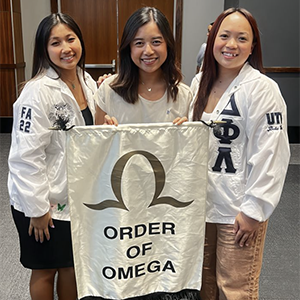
12,66
5,5
20,76
178,33
7,92
6,39
54,6
16,6
19,53
97,21
127,7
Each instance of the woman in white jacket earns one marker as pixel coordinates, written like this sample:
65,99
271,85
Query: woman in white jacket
59,95
249,155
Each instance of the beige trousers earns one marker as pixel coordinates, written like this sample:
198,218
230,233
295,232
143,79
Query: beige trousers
231,272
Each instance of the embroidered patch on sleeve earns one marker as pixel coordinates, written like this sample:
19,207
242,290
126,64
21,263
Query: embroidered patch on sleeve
25,119
274,120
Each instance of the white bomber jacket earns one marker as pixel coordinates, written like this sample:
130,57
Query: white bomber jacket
37,179
249,154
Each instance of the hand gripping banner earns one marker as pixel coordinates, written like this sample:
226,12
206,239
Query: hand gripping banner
137,198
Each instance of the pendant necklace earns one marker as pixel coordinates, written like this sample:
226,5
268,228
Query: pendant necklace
72,83
148,89
214,90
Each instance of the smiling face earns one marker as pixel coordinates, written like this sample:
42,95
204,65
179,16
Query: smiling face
148,48
64,48
233,42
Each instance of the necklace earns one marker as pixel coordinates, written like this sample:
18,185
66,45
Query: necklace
72,82
215,88
73,85
148,89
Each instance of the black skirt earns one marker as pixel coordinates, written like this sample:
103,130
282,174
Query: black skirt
53,254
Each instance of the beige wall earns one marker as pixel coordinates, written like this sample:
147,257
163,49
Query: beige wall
32,11
197,14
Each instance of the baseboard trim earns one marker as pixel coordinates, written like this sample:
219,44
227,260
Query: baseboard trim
294,134
6,124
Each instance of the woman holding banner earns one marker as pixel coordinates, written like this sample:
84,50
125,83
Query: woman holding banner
249,155
148,88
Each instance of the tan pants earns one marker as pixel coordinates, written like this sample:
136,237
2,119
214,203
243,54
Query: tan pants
231,272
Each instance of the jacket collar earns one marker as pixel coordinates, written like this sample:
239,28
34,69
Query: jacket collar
55,81
246,74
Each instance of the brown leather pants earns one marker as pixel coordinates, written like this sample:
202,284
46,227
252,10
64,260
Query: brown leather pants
231,272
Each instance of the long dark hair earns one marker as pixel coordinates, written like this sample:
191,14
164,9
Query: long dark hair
210,65
127,81
41,60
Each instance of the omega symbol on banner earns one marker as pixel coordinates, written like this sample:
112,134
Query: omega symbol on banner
116,177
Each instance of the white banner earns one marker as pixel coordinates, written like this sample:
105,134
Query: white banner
137,198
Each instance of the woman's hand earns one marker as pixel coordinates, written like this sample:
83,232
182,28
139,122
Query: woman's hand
245,229
110,120
102,78
179,121
104,119
40,227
